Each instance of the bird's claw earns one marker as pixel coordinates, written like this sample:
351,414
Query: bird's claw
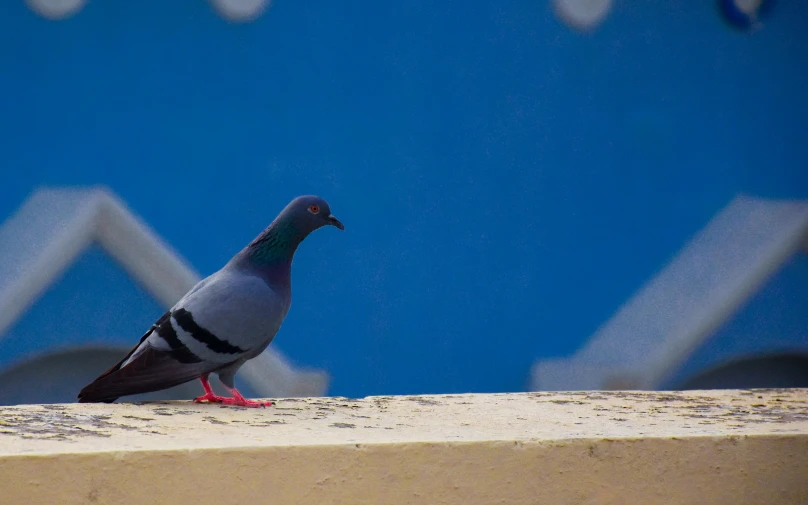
241,402
208,398
236,402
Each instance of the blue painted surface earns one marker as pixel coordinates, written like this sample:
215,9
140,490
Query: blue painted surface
506,183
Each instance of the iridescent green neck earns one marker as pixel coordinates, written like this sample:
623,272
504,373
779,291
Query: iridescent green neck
277,244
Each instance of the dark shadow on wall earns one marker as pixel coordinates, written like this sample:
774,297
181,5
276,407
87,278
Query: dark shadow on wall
782,370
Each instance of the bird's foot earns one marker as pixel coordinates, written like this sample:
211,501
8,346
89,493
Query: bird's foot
240,401
210,398
243,402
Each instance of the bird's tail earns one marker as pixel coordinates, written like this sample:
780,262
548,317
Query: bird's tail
152,370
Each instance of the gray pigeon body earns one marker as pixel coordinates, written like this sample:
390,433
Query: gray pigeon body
226,319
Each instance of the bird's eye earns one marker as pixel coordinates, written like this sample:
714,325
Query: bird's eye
314,209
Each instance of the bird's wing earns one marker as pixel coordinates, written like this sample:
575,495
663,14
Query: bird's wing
152,365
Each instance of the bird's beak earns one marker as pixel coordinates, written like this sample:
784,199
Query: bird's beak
335,222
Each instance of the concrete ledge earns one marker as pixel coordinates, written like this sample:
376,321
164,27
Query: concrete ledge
738,447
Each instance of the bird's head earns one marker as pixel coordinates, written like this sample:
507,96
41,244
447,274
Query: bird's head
311,212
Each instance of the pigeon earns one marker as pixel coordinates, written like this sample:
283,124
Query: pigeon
223,321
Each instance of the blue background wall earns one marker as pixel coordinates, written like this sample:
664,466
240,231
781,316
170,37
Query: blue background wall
506,183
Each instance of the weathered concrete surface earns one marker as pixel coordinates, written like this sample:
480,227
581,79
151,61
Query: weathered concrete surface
738,447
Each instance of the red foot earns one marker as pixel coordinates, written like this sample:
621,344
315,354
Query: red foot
237,399
243,402
210,398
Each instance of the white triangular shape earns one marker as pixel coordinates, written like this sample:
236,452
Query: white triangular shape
656,330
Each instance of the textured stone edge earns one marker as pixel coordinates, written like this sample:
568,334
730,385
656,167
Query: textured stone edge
751,469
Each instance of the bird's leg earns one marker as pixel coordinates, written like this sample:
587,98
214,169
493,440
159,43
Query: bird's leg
243,402
209,395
